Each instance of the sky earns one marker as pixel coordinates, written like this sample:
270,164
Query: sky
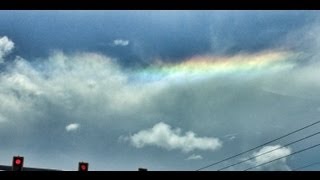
162,90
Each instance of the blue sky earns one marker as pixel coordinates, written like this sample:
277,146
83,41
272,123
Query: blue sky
165,90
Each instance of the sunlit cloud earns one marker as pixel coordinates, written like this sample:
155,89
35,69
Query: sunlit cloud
6,46
72,127
162,135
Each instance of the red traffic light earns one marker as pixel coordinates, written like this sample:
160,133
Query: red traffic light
17,163
83,166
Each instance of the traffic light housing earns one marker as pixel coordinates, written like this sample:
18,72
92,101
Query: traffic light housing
17,163
83,166
142,169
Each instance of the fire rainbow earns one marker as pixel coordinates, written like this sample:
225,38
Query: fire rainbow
208,66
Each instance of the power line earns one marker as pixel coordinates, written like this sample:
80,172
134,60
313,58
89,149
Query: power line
240,162
308,148
228,158
303,167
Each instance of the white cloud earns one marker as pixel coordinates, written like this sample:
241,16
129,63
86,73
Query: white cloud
121,42
163,136
280,165
6,46
194,157
72,127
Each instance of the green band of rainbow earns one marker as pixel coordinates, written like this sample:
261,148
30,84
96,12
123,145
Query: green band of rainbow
205,66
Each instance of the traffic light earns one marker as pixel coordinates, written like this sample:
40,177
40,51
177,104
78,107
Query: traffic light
83,166
17,163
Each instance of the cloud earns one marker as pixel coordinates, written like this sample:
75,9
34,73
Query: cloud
231,137
6,46
2,119
194,157
120,42
93,80
39,97
279,165
161,135
72,127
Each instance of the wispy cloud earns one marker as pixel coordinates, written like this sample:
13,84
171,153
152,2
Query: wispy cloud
72,127
162,135
6,46
231,137
194,157
121,42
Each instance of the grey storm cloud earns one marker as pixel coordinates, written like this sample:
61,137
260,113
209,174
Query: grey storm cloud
170,35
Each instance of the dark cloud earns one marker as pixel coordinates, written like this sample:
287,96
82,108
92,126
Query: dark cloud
168,35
